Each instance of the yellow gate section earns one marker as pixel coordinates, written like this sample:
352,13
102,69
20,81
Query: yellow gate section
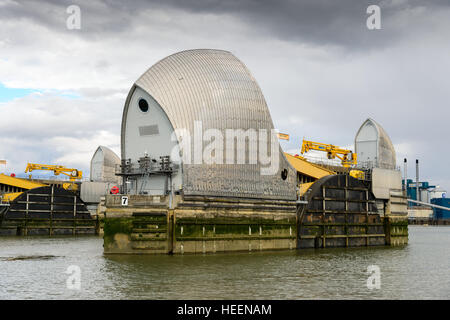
307,168
17,183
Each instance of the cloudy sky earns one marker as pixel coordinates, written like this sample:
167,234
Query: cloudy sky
322,71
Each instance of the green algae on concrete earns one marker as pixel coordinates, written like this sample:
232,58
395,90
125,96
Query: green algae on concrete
116,226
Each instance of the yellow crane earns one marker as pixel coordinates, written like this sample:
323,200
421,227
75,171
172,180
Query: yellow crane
347,157
73,174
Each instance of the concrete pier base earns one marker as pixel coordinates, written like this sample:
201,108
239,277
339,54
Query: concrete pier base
396,230
197,225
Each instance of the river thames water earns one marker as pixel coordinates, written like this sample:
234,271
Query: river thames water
35,268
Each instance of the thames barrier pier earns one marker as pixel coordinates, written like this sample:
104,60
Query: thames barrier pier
191,206
197,225
201,172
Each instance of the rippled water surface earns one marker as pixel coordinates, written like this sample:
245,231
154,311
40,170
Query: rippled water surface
34,268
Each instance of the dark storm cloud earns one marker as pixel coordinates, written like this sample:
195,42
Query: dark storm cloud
320,22
99,18
323,22
315,61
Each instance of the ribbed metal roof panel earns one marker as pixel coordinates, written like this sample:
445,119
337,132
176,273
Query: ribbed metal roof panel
385,148
214,87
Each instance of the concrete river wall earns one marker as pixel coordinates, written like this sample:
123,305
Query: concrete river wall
196,225
146,225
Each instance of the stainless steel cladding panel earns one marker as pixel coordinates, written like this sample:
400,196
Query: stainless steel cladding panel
103,165
91,192
216,89
374,147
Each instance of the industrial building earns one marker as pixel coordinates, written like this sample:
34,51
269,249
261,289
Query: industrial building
422,198
425,192
441,213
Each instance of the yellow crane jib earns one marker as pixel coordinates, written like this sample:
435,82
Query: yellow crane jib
347,157
73,174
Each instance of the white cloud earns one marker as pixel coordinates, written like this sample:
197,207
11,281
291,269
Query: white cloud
52,129
77,152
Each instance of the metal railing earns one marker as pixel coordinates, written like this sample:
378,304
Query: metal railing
146,166
376,164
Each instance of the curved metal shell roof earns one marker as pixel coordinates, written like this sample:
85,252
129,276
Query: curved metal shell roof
103,163
214,87
385,148
110,158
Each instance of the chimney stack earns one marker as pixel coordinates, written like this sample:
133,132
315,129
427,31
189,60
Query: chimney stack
417,181
405,173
